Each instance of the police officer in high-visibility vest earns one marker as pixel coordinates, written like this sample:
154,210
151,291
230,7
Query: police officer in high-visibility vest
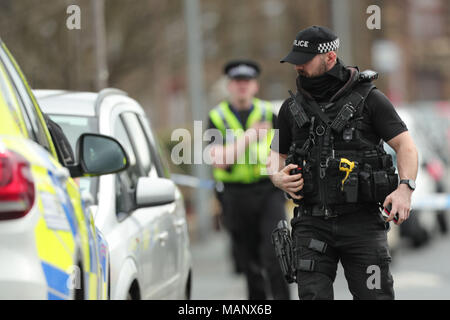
252,206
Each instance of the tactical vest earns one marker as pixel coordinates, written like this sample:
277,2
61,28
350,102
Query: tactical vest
251,166
339,163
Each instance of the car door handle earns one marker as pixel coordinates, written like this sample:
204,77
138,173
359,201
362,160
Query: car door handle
163,236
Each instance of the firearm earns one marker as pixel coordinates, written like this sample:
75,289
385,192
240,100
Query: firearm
282,242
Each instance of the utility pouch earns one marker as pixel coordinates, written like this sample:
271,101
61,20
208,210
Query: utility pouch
308,186
282,242
393,181
386,161
365,186
374,162
381,185
351,188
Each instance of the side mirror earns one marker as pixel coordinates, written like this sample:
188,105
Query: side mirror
98,155
154,192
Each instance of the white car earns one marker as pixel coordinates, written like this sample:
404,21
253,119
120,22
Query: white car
140,211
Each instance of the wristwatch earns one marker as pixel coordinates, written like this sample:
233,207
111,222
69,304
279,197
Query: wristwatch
411,183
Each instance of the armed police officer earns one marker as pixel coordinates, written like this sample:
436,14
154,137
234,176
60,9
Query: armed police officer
251,204
331,162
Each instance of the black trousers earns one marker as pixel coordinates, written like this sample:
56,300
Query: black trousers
250,214
358,240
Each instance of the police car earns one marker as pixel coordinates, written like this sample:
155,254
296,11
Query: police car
49,246
140,211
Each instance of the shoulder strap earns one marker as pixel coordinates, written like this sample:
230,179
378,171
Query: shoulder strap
313,107
364,90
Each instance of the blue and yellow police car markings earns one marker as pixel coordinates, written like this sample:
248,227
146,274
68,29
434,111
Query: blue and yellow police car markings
76,228
49,241
55,259
50,249
103,251
57,281
54,240
54,237
86,236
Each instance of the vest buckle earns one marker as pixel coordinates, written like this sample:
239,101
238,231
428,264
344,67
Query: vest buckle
320,130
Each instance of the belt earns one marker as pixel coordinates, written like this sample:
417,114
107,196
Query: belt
315,211
330,212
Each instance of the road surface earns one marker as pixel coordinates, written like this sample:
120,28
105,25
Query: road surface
419,274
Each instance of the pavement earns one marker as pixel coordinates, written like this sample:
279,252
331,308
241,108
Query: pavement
419,274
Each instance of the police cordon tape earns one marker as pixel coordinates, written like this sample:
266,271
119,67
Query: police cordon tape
193,182
432,201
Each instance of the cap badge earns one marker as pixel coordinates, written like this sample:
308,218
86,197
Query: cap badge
301,43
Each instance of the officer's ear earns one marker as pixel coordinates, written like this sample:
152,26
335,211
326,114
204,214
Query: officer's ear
331,57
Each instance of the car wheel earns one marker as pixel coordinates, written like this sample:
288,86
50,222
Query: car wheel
133,292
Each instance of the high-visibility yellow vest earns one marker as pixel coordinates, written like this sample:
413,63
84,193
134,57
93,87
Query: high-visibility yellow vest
251,166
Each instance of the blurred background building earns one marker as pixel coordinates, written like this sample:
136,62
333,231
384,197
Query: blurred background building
146,46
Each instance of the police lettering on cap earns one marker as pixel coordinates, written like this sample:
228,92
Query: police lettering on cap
310,42
242,69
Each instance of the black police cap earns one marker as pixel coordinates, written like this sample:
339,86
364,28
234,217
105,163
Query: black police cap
309,42
242,69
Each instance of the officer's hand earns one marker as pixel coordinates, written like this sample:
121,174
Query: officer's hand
401,203
289,183
261,129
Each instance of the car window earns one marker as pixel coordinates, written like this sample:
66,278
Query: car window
139,141
10,97
158,155
74,127
121,134
126,181
29,110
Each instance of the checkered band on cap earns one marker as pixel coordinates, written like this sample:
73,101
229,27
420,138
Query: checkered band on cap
328,46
